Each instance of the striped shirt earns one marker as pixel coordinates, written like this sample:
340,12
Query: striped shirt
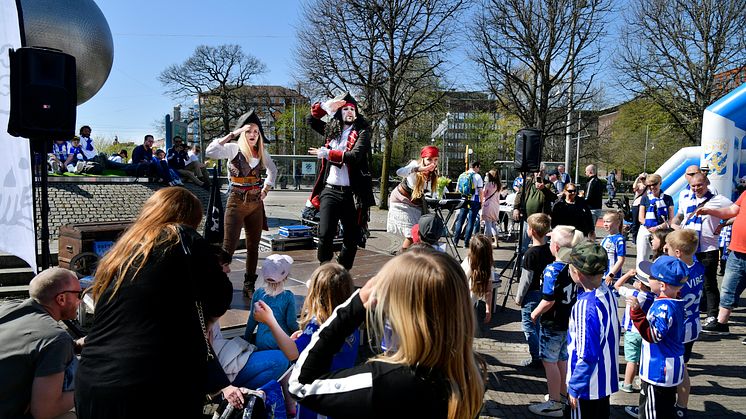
615,248
593,345
691,293
662,361
644,298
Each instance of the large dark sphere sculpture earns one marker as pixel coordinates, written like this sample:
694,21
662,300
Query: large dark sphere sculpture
75,27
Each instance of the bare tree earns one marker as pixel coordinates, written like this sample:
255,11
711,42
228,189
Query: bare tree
540,57
216,75
388,52
672,50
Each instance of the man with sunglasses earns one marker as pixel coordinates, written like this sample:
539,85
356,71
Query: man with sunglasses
37,354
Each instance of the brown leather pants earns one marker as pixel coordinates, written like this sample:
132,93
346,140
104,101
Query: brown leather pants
244,210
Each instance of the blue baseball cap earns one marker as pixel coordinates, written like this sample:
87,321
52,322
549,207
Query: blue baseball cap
666,269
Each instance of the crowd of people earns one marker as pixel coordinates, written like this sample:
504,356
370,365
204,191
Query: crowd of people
160,291
79,156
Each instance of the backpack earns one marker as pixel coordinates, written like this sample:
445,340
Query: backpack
92,168
465,184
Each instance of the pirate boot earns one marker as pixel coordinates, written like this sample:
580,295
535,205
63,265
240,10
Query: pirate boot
248,285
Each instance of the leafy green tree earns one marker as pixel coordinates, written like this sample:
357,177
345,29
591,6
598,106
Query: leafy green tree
638,120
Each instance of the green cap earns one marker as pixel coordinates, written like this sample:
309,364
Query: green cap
589,258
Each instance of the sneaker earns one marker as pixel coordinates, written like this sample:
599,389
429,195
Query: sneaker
681,412
627,388
532,363
637,383
633,411
744,341
716,328
79,167
563,398
710,320
549,408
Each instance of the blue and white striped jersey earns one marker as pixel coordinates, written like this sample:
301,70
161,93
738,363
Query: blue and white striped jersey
662,361
615,248
691,293
593,345
644,298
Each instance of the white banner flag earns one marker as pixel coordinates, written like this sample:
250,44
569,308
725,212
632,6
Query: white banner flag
16,199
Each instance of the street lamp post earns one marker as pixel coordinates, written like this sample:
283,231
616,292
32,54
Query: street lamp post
645,161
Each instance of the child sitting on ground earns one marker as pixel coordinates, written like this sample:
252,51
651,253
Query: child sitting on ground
478,269
662,330
275,271
330,285
613,243
682,244
632,339
536,259
558,297
593,336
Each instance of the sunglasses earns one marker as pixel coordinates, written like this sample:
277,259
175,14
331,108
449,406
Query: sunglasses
79,293
652,184
691,174
571,190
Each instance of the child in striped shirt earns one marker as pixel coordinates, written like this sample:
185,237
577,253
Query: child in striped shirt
632,339
593,336
614,246
682,244
662,331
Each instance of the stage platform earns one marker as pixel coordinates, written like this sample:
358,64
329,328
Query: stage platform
367,264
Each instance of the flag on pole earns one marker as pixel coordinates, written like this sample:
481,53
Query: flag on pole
214,228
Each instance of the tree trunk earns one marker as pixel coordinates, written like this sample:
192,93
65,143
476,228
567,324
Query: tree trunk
387,146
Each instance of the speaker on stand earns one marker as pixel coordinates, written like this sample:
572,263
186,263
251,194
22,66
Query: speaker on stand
528,148
43,100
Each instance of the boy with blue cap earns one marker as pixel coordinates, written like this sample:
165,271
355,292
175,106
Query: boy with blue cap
662,331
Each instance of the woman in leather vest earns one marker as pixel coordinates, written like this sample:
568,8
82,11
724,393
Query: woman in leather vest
247,159
407,201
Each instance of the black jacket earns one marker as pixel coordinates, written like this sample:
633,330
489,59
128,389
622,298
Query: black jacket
357,161
594,192
373,389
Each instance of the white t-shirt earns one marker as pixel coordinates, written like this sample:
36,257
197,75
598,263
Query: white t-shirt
478,185
708,239
192,157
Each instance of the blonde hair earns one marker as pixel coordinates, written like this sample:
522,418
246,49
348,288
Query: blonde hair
615,216
683,240
330,285
423,295
243,145
157,224
421,178
566,237
540,223
480,261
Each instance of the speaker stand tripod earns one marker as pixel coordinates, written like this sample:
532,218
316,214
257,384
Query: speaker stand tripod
515,262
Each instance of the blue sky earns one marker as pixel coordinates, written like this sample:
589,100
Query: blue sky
151,35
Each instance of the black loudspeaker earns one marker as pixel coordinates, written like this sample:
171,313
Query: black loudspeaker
43,94
528,145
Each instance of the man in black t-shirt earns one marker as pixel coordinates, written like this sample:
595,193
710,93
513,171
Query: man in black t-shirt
536,259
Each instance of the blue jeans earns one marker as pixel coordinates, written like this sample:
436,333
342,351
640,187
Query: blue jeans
472,223
530,329
734,280
261,367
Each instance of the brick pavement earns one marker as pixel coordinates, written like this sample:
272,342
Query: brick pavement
717,367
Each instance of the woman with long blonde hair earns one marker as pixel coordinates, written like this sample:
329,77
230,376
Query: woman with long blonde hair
407,203
153,290
245,207
419,305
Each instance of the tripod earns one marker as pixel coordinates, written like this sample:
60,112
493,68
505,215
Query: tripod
438,205
514,264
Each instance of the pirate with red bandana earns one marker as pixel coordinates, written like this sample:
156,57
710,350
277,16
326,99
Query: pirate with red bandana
343,190
407,203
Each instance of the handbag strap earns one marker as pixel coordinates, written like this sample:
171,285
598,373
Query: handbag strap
197,303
